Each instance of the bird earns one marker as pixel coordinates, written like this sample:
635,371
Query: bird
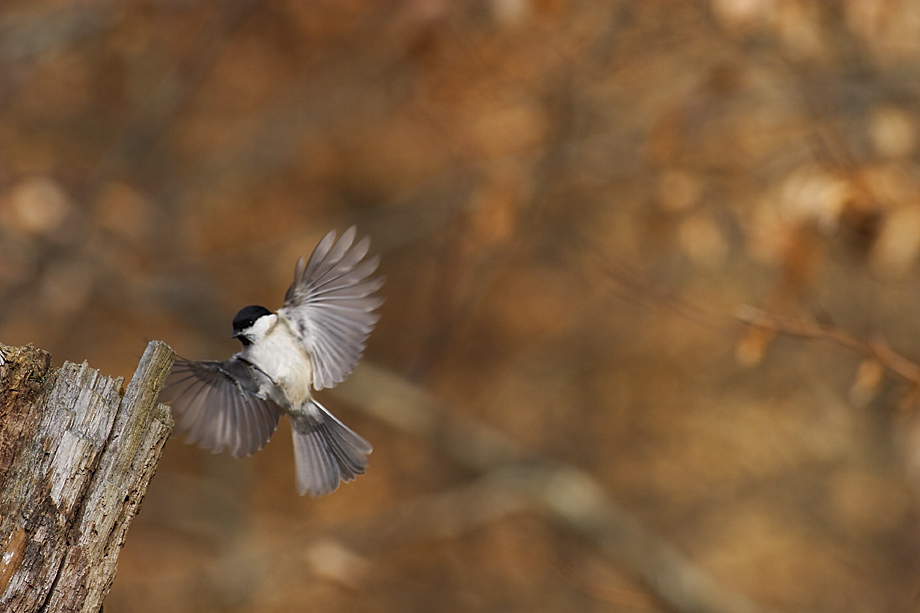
313,342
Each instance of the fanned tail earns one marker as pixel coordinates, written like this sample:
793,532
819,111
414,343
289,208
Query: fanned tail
326,452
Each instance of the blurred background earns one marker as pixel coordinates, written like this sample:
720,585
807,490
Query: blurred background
573,201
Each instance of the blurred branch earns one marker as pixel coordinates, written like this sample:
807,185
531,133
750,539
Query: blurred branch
637,286
871,348
564,492
445,515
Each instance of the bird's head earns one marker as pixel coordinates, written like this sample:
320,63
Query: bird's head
252,323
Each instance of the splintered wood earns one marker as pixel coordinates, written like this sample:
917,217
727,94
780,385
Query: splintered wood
76,457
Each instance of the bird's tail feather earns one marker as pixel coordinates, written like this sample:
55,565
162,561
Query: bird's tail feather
326,452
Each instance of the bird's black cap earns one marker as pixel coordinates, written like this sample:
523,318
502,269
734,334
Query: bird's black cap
247,316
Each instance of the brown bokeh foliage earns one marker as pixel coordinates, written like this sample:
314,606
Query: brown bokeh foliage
573,201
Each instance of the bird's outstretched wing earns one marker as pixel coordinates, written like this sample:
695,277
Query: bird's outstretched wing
216,406
330,305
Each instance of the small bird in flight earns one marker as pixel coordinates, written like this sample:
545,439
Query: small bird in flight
313,342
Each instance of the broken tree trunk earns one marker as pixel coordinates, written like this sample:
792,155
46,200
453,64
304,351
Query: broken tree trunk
76,456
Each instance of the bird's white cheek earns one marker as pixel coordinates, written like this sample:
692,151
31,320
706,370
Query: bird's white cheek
263,326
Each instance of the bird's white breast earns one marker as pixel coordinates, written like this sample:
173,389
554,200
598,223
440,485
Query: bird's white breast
283,359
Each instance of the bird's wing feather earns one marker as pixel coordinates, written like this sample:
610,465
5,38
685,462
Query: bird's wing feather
216,406
330,305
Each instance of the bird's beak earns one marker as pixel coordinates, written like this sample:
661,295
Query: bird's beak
236,333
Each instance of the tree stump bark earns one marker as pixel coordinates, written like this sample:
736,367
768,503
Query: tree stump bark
76,456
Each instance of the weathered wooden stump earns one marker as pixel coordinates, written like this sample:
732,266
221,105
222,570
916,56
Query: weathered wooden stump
76,456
